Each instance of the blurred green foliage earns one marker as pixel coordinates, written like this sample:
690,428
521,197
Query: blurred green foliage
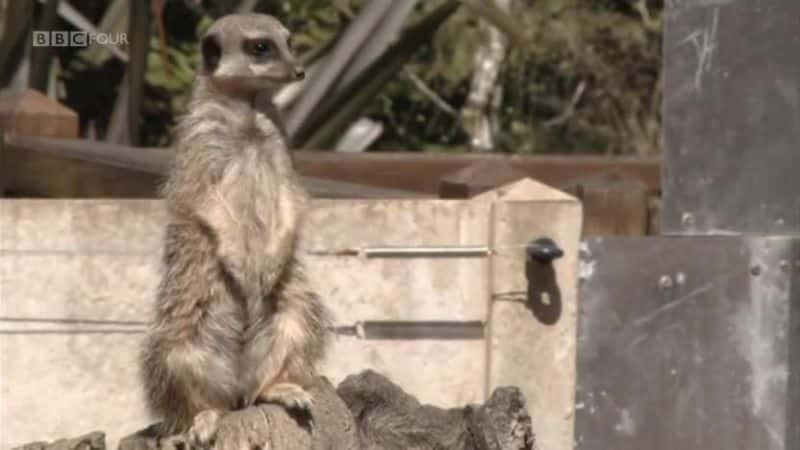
612,48
608,51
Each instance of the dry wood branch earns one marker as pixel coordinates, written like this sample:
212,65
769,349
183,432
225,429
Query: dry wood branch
569,111
488,60
426,90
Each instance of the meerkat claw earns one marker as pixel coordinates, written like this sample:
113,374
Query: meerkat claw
204,428
290,395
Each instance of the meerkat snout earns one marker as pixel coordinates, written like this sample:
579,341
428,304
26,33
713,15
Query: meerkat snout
255,56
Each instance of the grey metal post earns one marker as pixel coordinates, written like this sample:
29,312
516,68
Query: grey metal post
732,117
691,340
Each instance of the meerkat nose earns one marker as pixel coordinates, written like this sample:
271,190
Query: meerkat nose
299,72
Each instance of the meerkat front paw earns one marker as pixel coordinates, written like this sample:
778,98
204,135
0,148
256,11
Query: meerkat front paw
204,428
290,395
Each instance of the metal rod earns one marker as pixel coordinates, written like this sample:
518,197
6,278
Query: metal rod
71,321
70,332
411,252
369,329
388,252
413,330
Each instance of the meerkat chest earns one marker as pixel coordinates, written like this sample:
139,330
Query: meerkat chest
263,189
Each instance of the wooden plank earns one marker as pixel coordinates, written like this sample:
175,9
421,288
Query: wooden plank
422,172
138,159
32,113
479,177
48,173
613,205
368,175
76,168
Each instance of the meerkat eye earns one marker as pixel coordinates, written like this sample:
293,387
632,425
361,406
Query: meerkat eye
211,52
260,47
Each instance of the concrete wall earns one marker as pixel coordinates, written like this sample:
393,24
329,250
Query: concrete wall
81,260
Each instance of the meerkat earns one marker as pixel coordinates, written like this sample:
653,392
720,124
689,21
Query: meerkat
235,320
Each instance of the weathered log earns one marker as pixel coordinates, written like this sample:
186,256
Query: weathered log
92,441
388,418
366,412
268,426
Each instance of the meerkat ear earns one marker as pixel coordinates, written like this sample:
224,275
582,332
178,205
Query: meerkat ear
211,52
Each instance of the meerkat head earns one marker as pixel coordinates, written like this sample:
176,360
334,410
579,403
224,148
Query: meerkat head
249,53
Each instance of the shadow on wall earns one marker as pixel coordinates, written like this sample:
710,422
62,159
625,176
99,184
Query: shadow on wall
544,295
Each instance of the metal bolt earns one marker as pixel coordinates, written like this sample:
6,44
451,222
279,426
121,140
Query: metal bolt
680,278
755,270
687,219
544,250
665,282
785,266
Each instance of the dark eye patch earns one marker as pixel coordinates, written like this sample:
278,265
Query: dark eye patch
261,48
211,52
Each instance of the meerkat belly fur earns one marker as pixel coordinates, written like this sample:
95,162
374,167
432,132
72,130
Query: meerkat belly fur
235,320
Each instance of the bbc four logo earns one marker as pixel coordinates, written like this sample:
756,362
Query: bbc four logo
77,38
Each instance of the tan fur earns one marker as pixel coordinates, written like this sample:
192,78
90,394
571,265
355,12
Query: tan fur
235,321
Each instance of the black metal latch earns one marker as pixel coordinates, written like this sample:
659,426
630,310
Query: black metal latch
543,250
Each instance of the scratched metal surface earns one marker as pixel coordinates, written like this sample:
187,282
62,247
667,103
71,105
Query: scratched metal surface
731,113
683,343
